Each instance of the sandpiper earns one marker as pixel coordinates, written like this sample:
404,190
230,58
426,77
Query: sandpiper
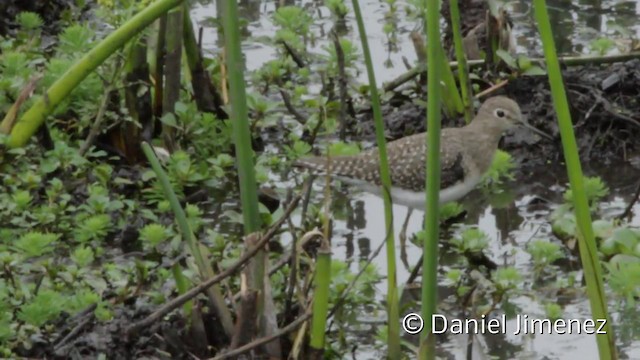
466,153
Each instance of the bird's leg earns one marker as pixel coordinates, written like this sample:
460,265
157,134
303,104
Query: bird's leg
403,240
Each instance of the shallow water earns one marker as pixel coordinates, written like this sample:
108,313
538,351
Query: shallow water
576,24
512,219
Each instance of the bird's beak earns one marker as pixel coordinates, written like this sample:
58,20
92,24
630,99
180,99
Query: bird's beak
536,130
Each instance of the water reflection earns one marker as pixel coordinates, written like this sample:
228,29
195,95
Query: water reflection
576,24
511,219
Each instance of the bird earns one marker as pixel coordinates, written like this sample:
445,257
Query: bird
466,154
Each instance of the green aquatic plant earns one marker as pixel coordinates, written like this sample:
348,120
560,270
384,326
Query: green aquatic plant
94,227
35,244
602,46
624,279
501,169
543,253
294,23
21,200
471,241
522,65
450,210
154,234
350,52
623,240
563,218
507,279
29,21
362,294
83,256
44,307
338,8
297,150
466,91
263,112
595,189
553,311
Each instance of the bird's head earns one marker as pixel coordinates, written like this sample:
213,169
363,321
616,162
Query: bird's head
501,111
506,114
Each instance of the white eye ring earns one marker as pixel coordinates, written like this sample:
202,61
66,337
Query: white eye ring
499,113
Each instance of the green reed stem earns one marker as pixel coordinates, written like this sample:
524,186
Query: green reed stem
393,314
451,99
586,238
241,132
35,116
463,69
430,247
322,280
183,286
205,271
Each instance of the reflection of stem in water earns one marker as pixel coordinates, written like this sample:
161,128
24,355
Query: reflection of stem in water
364,245
350,234
403,240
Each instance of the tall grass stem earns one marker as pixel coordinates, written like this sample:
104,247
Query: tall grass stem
393,316
586,238
430,246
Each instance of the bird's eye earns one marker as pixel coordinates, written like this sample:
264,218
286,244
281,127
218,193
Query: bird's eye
500,113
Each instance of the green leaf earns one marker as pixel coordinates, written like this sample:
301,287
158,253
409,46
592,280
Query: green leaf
626,240
343,149
602,228
169,119
507,58
34,244
535,71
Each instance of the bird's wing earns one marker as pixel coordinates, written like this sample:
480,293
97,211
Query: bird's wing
408,160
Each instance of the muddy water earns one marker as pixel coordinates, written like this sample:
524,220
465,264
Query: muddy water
517,216
511,219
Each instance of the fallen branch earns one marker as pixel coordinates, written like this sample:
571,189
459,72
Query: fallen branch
567,61
302,119
254,344
193,292
627,210
493,88
85,317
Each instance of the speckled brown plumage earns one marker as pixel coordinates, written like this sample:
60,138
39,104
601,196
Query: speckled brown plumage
407,159
465,153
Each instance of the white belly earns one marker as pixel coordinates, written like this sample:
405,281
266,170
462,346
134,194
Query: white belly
416,200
